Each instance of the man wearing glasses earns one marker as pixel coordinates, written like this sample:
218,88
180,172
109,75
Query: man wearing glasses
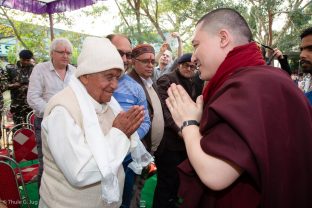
143,60
171,151
46,80
128,94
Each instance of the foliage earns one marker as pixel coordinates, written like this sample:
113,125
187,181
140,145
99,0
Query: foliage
6,31
12,55
33,37
162,17
276,23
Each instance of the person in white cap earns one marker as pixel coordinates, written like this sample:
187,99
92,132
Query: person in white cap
86,136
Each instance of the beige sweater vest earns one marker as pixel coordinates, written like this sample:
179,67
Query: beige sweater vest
55,190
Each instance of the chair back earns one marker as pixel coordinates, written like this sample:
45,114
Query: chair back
31,119
10,191
24,145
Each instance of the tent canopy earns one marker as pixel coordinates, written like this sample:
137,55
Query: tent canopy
46,6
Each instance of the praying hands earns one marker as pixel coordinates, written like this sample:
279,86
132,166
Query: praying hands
182,107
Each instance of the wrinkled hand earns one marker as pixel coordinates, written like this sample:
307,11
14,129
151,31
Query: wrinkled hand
128,122
182,107
277,53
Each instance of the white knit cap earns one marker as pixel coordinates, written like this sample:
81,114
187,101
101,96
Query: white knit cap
97,55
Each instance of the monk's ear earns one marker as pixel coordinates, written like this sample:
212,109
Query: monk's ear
225,38
84,79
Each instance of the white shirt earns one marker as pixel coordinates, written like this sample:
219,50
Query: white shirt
44,82
147,82
84,171
158,72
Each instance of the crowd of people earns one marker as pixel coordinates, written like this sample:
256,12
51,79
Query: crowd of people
224,128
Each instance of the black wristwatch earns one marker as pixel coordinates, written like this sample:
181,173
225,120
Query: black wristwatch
188,123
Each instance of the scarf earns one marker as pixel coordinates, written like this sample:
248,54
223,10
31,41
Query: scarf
110,163
241,56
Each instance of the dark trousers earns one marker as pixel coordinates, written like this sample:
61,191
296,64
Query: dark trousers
165,195
37,125
129,183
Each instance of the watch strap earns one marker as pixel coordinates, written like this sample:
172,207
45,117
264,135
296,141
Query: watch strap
188,123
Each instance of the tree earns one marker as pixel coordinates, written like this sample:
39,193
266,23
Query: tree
276,23
141,17
35,37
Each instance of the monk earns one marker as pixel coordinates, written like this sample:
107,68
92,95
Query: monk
249,137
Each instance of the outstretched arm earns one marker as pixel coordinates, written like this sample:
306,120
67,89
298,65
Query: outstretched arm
180,46
282,59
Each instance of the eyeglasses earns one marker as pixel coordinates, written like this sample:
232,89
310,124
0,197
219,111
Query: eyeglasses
128,54
63,52
265,46
146,61
192,66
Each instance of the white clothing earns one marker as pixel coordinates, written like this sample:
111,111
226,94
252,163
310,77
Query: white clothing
44,82
94,149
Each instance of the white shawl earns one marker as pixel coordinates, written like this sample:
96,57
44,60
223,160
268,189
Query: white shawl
109,164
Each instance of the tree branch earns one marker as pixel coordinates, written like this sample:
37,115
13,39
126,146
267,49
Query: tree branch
122,14
13,27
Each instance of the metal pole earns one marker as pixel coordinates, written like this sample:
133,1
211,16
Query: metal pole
51,26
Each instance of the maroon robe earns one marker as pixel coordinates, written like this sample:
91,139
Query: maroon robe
259,120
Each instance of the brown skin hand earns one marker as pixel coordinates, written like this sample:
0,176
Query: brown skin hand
128,122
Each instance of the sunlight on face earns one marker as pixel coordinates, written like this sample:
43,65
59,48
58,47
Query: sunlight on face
101,85
144,65
207,52
61,55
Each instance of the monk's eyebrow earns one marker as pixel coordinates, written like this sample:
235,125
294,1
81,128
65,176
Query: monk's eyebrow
309,47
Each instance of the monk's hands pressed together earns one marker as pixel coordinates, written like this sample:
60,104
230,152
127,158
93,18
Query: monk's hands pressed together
182,107
128,122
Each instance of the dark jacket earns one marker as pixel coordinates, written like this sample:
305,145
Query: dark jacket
147,139
171,140
239,127
284,64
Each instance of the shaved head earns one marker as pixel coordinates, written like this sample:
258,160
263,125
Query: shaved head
226,18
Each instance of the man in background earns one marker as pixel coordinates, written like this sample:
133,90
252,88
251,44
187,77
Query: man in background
306,57
46,80
18,78
128,94
143,60
171,151
165,58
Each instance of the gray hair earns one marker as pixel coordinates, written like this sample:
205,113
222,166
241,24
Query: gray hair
63,41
